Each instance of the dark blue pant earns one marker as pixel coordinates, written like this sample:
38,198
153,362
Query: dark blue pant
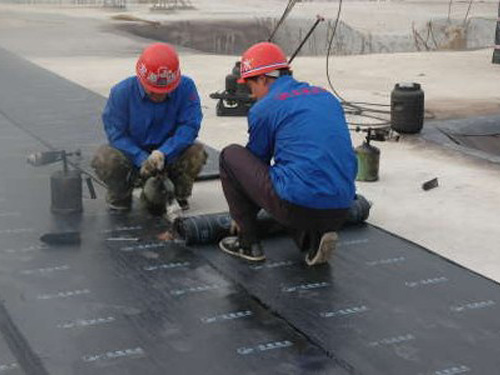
248,188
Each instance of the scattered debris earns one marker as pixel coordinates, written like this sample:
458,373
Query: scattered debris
61,238
431,184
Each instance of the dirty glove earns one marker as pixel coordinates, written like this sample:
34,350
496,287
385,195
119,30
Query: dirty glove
154,163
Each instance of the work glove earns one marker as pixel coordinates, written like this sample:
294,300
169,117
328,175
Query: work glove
153,164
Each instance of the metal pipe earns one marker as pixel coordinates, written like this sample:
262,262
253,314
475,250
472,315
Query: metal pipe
288,9
318,20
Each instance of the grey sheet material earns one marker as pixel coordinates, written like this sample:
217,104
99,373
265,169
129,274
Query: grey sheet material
384,306
464,135
59,113
114,306
487,144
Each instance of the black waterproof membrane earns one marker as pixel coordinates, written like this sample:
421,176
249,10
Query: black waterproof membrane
123,301
384,305
60,114
475,136
8,362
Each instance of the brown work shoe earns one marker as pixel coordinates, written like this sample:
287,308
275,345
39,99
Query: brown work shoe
252,252
323,252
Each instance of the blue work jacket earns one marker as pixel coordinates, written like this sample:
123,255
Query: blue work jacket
136,125
301,131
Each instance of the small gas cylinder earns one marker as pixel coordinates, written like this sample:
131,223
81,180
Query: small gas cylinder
66,192
368,162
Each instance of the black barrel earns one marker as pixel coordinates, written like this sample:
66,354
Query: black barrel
407,108
66,192
210,228
496,51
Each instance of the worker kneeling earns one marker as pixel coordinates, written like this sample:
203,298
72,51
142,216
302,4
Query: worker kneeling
151,121
298,165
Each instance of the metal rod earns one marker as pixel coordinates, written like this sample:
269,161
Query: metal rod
288,9
318,20
90,186
270,39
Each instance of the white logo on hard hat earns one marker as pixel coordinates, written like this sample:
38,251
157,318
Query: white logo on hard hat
142,69
152,78
163,72
166,76
247,64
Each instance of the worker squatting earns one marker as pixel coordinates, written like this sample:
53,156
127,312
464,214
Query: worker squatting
298,164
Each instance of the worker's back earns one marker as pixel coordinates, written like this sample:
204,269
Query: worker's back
314,164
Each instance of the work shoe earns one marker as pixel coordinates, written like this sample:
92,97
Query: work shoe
252,252
118,205
183,204
323,252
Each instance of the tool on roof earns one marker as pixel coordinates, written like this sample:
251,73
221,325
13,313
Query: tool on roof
65,184
236,100
61,238
368,155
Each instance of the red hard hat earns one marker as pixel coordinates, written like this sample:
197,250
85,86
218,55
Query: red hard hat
158,68
262,58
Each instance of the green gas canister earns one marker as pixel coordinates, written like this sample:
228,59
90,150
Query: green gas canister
368,162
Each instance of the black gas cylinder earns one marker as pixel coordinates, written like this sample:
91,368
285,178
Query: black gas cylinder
407,108
66,192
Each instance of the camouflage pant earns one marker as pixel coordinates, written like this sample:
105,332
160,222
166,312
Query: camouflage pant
121,176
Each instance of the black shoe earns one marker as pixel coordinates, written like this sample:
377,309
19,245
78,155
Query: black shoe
253,252
323,252
121,205
183,204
